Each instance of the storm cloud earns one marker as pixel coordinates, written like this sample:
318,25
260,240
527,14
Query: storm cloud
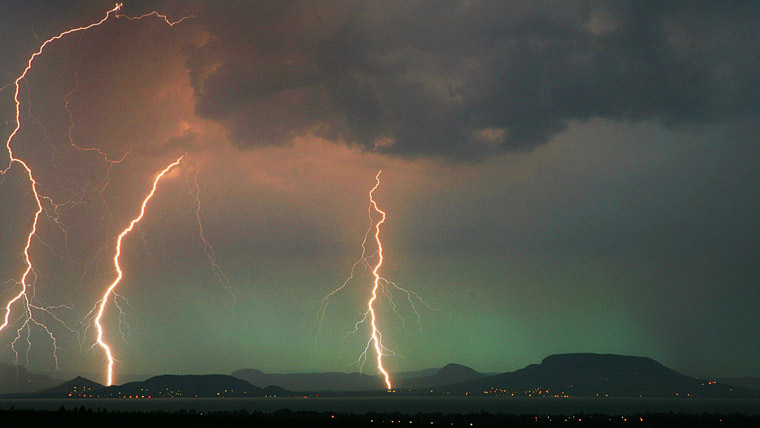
468,79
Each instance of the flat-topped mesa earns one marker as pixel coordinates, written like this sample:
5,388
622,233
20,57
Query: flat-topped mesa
604,363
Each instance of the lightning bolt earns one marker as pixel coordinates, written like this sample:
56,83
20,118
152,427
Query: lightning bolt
208,249
377,337
379,284
25,296
120,274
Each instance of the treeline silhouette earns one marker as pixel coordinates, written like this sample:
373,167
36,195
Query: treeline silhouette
80,417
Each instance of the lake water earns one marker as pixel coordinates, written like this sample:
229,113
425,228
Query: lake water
446,405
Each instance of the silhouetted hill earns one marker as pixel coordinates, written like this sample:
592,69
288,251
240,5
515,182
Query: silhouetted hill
77,387
457,370
414,374
355,382
450,374
591,375
16,379
333,381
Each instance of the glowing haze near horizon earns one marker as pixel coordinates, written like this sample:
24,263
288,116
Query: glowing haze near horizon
558,178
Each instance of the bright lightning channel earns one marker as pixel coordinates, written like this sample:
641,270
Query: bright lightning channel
119,274
376,337
379,284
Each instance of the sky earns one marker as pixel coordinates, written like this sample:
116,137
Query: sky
557,177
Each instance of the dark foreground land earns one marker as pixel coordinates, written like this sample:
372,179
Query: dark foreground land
79,417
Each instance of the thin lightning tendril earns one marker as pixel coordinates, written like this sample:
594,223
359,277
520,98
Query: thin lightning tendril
326,300
123,325
156,14
208,249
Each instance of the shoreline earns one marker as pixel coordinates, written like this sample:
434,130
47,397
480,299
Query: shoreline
407,405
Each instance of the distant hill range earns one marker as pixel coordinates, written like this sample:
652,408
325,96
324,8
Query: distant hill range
596,375
450,374
164,386
576,375
354,382
564,375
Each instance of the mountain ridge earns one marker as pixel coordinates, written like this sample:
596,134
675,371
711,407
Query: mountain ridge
162,386
559,375
596,375
356,382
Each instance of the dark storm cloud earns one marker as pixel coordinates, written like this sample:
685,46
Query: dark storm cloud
466,79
